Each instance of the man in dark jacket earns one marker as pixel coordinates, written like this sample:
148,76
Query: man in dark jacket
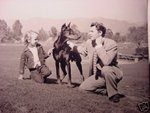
33,57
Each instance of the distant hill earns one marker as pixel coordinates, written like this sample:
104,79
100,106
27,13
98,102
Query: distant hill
82,23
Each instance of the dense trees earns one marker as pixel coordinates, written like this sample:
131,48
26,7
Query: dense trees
135,34
43,35
109,33
8,35
3,30
53,32
17,33
138,34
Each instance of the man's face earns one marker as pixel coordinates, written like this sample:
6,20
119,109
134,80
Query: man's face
93,33
33,39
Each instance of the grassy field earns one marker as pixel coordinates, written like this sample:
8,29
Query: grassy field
17,96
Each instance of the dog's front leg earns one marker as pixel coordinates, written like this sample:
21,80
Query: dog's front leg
69,73
57,72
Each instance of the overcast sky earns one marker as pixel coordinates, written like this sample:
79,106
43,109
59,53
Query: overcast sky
129,10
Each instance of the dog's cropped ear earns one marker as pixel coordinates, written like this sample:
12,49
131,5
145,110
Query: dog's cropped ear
63,27
69,24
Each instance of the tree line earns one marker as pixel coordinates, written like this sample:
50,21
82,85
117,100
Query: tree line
135,34
8,35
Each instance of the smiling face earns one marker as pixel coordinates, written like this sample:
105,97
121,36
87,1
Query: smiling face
94,33
33,40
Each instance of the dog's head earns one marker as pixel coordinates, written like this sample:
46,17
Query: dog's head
68,32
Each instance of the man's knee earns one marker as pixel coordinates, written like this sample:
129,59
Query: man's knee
40,81
85,88
46,71
49,72
105,70
112,72
90,84
37,78
82,86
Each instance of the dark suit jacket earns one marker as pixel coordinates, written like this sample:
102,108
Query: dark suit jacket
27,58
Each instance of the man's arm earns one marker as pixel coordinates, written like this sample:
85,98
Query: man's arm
50,51
81,49
108,55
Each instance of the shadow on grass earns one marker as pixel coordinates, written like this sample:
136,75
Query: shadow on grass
51,81
48,80
76,84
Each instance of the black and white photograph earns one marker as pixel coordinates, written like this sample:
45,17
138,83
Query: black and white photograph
74,56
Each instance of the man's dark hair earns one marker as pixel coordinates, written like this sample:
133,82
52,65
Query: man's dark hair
99,27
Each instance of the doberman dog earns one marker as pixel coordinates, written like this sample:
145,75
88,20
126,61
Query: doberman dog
63,54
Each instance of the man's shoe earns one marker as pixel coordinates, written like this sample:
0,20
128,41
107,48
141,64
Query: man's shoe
45,80
121,95
102,92
115,98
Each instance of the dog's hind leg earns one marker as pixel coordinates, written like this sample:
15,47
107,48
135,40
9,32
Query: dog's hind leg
78,59
69,75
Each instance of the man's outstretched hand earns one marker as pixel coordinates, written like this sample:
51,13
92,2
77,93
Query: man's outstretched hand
50,51
71,45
